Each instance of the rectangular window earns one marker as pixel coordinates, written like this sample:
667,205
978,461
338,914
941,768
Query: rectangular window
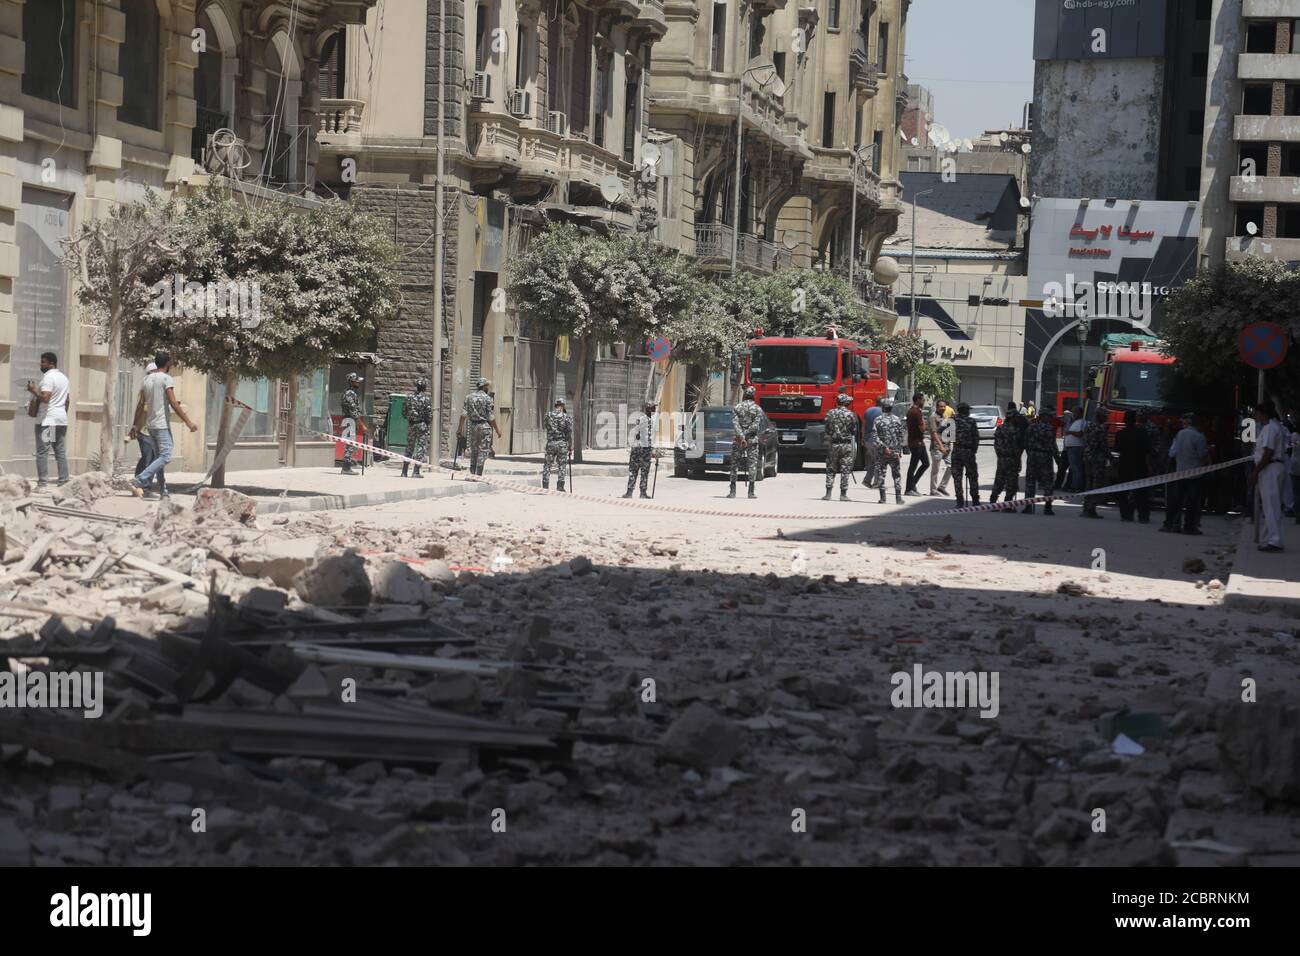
49,31
717,54
755,35
1192,180
521,54
882,49
1257,101
857,126
778,61
139,61
832,14
1261,37
828,120
878,140
631,111
603,71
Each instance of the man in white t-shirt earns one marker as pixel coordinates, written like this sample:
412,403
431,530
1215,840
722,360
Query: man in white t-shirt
52,428
158,395
1270,470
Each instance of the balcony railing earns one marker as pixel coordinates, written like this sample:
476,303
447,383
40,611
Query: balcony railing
340,117
206,122
868,291
713,242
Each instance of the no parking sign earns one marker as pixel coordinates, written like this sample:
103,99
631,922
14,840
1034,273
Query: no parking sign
1263,345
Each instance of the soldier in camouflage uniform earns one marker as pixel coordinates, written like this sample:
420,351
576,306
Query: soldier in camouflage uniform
841,445
965,445
745,444
1096,460
1040,464
418,412
1007,446
891,438
482,423
641,447
559,444
352,410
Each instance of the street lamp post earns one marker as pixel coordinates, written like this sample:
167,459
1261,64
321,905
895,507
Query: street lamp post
1081,336
855,158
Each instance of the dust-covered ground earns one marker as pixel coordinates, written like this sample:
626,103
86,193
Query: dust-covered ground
714,690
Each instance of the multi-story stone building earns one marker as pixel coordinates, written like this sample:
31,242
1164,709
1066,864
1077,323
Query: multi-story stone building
1250,176
583,111
103,99
544,118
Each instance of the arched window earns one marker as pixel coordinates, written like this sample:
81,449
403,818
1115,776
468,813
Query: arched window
209,79
50,31
139,61
283,88
333,64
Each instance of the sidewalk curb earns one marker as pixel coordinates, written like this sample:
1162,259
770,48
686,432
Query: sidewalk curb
1246,592
274,506
579,471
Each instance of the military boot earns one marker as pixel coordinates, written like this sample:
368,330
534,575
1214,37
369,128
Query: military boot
827,496
1047,509
898,499
417,471
732,492
844,496
882,494
751,492
1028,509
405,465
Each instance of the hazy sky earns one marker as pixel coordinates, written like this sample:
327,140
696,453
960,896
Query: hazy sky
964,52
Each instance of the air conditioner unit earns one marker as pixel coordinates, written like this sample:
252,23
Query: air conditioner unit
557,123
521,104
482,86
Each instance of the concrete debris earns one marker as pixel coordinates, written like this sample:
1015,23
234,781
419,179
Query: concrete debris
703,738
397,583
83,489
14,486
335,580
1260,743
225,504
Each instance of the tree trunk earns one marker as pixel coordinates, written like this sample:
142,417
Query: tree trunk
579,393
223,429
107,447
291,426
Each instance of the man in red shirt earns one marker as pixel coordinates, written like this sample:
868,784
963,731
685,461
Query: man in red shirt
916,444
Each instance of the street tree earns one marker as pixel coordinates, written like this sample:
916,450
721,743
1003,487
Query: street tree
116,257
937,381
598,290
1204,317
324,277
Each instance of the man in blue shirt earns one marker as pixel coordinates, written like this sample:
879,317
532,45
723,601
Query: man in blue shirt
873,443
1183,498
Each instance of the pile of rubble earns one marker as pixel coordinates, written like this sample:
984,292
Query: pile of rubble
446,694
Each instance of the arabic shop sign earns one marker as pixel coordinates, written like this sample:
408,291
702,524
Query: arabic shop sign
1099,29
1112,250
948,353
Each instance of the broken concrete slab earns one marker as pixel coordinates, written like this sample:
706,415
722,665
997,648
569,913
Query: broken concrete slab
338,579
703,738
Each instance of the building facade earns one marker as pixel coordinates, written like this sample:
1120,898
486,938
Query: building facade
969,280
1251,167
589,113
101,100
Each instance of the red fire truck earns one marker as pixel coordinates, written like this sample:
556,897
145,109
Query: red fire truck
798,380
1137,375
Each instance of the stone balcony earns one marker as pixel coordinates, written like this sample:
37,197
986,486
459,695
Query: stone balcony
870,293
1265,189
1268,66
502,140
835,167
713,242
650,17
1271,9
1245,247
339,124
1266,129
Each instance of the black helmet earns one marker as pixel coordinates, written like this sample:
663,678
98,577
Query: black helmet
421,385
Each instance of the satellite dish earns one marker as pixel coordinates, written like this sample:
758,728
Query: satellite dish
1026,149
967,145
1252,228
611,188
651,153
915,141
1004,137
1024,202
939,136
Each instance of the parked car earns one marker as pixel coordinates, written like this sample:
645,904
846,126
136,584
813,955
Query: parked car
987,417
715,434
